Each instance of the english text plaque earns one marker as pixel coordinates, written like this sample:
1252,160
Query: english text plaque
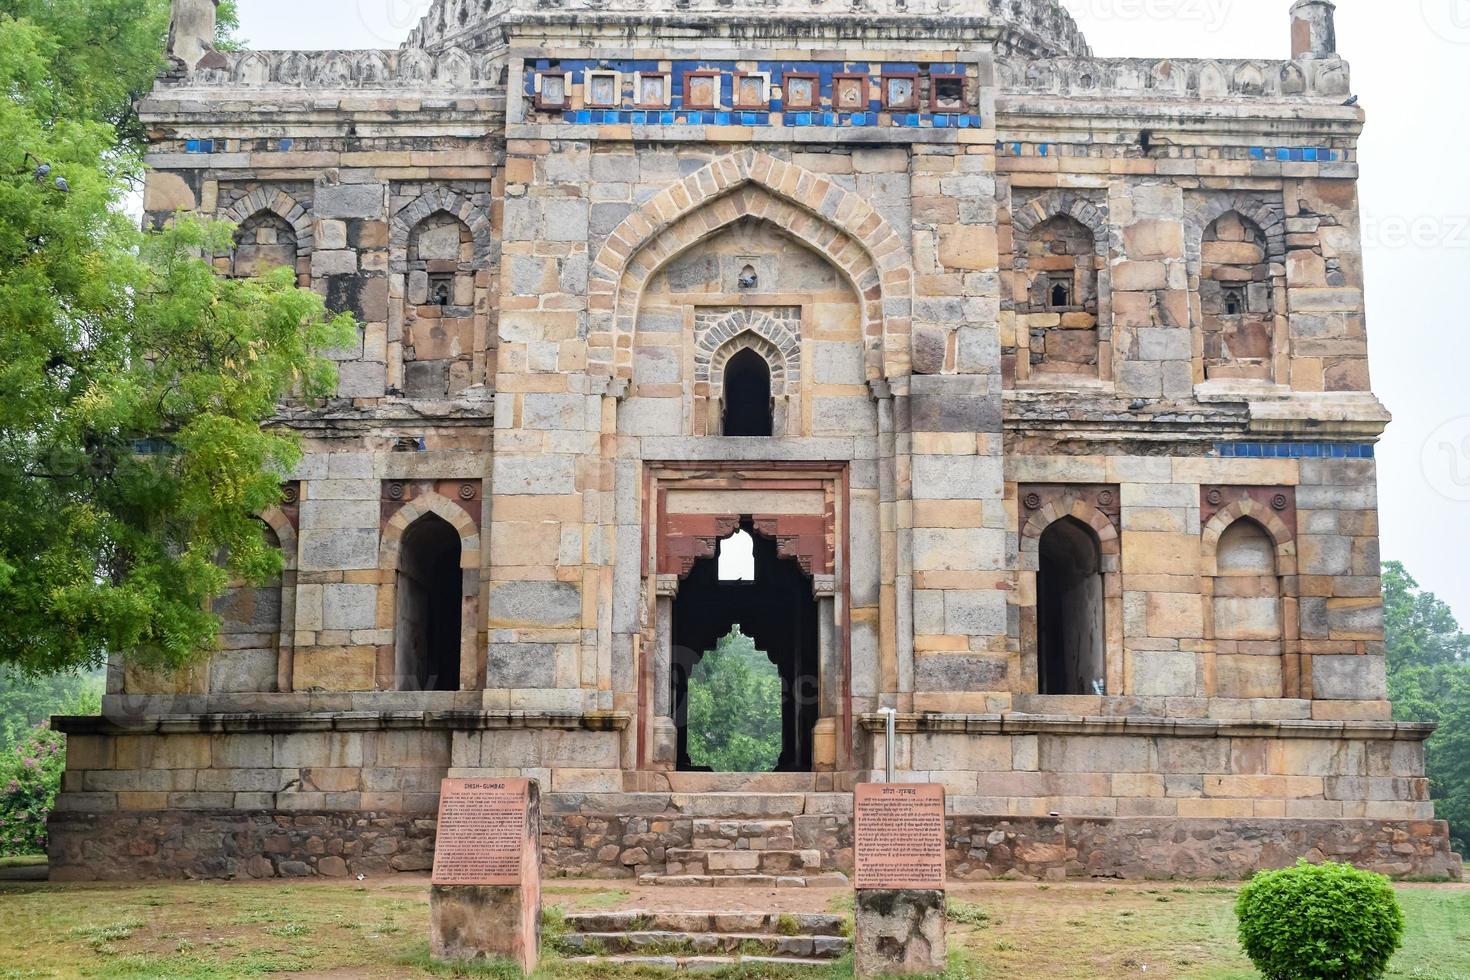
484,832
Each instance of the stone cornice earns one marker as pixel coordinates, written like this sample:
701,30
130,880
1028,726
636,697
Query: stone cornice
1029,724
342,721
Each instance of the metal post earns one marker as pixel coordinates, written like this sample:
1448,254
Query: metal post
890,714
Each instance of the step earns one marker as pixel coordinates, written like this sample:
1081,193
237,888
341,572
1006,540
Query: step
662,943
826,879
699,963
704,861
765,923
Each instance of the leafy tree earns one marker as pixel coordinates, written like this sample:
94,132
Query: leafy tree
1429,680
134,381
734,719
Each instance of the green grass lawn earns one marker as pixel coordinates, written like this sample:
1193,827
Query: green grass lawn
1074,931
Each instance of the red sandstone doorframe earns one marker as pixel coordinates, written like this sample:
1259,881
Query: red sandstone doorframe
671,543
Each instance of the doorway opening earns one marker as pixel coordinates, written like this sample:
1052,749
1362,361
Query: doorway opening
1069,611
430,592
735,612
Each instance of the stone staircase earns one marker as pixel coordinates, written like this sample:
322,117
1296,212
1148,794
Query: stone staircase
738,852
703,940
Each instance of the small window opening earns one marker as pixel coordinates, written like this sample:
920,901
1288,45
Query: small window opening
1059,292
1233,298
737,558
949,94
441,288
747,395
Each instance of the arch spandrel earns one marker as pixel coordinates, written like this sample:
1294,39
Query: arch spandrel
821,215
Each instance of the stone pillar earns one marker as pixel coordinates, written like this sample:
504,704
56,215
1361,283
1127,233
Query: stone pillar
829,670
1313,31
665,731
898,932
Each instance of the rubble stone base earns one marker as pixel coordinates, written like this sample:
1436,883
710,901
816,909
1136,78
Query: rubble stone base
124,845
898,931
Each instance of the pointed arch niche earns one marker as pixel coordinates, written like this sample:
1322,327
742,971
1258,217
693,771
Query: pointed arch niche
1235,249
1252,622
809,208
440,336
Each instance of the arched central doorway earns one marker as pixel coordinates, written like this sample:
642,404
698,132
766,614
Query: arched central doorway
768,599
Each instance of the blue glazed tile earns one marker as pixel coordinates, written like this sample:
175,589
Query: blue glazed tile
581,116
1309,154
191,146
666,118
1258,153
1045,149
747,119
639,118
911,119
803,119
286,144
722,119
1282,154
829,119
861,119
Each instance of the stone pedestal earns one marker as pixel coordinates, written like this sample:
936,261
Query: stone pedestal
899,931
485,903
482,922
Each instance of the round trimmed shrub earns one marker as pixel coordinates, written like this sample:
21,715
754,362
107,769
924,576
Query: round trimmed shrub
1319,922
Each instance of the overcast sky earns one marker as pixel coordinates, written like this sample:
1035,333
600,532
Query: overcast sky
1411,66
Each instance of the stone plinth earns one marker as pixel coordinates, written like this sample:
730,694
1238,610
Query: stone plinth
476,922
899,931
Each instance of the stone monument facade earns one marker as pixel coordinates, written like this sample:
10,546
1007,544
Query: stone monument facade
1035,382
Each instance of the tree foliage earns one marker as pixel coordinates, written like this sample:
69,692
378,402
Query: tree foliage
134,381
734,719
1429,680
1319,922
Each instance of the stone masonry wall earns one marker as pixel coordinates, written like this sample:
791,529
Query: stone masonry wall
235,844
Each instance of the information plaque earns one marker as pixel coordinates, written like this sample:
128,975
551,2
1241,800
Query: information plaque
898,836
485,832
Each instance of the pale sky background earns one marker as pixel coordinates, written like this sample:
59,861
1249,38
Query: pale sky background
1411,67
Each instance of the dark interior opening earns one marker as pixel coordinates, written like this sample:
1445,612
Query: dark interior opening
747,395
777,610
430,591
1069,610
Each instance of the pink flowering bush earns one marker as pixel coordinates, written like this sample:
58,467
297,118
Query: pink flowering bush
30,776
